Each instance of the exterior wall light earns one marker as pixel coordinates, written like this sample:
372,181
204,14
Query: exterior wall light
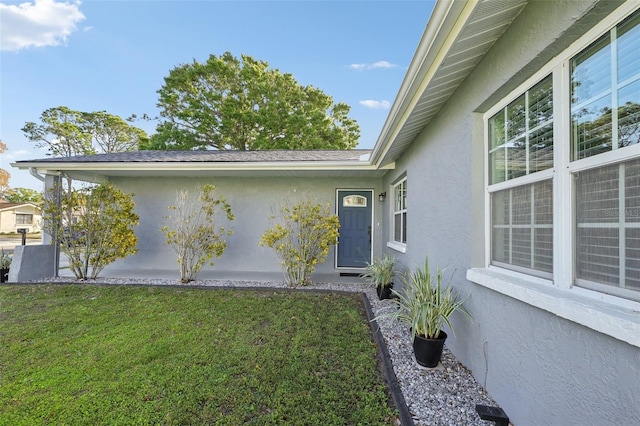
382,197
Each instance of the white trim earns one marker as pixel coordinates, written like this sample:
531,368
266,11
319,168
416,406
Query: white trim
401,212
604,159
522,180
563,232
597,311
160,166
424,64
394,245
563,169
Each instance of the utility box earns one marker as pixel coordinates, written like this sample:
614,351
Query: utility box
33,262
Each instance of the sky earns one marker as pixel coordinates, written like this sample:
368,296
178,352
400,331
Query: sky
113,55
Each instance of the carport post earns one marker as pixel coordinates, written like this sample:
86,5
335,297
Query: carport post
52,192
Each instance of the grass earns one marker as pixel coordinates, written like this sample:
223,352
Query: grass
154,355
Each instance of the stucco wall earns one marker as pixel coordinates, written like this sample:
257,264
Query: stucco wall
540,368
251,200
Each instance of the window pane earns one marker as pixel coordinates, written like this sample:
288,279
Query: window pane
597,195
404,227
400,196
591,71
629,114
521,247
541,149
597,255
628,48
522,226
541,103
591,128
522,143
517,159
632,261
543,254
397,228
607,222
521,205
498,166
605,105
516,118
404,195
496,130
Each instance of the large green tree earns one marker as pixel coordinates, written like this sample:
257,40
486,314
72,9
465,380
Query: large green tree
65,132
231,103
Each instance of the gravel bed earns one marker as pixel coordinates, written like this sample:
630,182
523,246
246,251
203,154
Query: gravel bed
445,395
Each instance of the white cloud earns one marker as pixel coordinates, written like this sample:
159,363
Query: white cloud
374,65
39,24
13,155
369,103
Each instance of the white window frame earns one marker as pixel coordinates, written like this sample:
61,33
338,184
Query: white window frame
518,182
400,246
612,315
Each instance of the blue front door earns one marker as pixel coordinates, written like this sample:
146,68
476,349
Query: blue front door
354,243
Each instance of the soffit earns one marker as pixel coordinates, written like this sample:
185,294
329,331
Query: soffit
488,20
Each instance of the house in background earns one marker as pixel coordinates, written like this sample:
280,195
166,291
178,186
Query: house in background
512,156
14,216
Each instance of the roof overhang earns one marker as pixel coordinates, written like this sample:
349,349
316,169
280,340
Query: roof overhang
457,37
97,172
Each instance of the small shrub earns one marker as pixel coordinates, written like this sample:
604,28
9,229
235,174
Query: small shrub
5,260
302,235
193,231
94,226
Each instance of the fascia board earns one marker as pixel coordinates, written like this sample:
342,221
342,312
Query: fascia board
447,18
284,165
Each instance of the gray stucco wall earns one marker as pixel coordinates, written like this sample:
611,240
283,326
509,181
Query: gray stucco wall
251,200
540,368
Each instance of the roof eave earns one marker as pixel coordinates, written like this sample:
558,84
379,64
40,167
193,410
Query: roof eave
446,22
160,166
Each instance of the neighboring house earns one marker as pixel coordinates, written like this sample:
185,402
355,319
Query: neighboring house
14,216
511,155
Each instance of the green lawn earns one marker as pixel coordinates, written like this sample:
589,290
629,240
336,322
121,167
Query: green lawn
153,355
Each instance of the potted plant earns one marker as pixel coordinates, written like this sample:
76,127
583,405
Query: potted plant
380,273
5,263
425,304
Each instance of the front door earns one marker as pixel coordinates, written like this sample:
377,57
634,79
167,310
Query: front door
354,243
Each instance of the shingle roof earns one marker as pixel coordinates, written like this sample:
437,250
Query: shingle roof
4,205
267,156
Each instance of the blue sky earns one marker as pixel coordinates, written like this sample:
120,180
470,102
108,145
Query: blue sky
113,55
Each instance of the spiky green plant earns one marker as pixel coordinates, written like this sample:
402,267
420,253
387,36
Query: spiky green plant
380,272
424,303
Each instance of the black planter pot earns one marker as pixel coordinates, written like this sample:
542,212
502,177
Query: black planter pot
429,351
384,292
4,275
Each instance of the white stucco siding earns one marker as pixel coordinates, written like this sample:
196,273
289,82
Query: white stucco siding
539,366
9,222
251,200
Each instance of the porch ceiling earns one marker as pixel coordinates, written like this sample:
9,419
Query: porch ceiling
458,35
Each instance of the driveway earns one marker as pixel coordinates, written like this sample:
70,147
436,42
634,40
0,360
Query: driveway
8,243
